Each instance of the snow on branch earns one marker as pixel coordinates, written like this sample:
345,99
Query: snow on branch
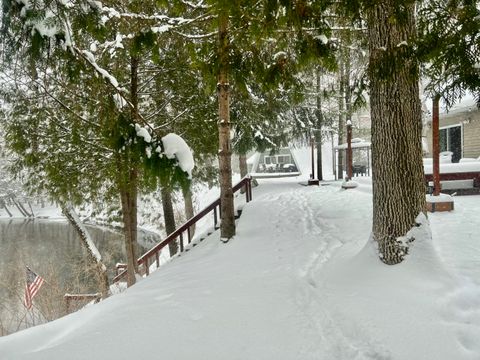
197,36
175,147
72,216
56,23
87,55
200,5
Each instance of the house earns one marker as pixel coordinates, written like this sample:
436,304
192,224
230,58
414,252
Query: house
278,163
459,130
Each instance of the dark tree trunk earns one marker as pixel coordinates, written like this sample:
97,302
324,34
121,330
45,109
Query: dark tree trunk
127,182
318,131
128,196
436,145
169,217
242,159
398,184
341,116
189,209
227,227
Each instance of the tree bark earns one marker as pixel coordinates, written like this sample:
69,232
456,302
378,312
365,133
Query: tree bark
127,182
436,144
341,116
318,131
242,159
189,210
227,227
398,180
169,217
349,151
86,240
128,196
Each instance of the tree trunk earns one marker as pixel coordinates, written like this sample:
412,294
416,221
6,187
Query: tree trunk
398,180
227,227
128,196
92,250
169,217
242,159
341,115
189,210
318,132
348,106
127,180
436,145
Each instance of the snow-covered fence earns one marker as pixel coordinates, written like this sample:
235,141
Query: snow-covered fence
153,255
462,178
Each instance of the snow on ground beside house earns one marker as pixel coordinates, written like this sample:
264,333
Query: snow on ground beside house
299,281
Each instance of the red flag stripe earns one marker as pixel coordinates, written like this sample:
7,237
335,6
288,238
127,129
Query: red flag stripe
35,286
34,282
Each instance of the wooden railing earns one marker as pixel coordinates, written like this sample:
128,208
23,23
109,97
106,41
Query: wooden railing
474,176
153,255
80,297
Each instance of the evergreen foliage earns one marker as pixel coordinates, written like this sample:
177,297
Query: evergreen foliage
450,48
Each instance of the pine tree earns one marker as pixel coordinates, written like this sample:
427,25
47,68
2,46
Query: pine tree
450,48
62,34
229,46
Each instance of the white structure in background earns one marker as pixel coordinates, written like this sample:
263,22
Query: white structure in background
361,157
281,163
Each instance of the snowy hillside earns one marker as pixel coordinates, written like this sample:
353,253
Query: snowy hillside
299,281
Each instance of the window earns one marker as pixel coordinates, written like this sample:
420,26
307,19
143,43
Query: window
283,159
451,140
270,160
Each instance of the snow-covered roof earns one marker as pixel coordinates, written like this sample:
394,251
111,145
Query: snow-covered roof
466,104
357,143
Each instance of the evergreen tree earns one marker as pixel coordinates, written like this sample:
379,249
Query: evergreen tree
449,45
66,38
231,42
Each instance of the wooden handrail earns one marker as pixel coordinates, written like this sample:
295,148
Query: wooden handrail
76,297
456,176
178,233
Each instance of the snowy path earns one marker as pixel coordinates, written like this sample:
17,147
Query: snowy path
297,282
460,251
316,233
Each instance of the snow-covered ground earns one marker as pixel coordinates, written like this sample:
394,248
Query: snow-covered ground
299,281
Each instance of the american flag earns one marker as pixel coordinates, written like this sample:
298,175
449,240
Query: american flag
34,282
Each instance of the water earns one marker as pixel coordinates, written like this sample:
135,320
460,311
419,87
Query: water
54,251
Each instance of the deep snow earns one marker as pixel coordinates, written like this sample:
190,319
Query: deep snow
299,281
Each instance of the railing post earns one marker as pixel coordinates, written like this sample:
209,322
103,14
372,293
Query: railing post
181,242
157,259
145,264
189,235
215,218
67,305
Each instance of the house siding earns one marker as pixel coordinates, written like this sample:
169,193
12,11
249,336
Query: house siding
470,122
471,136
